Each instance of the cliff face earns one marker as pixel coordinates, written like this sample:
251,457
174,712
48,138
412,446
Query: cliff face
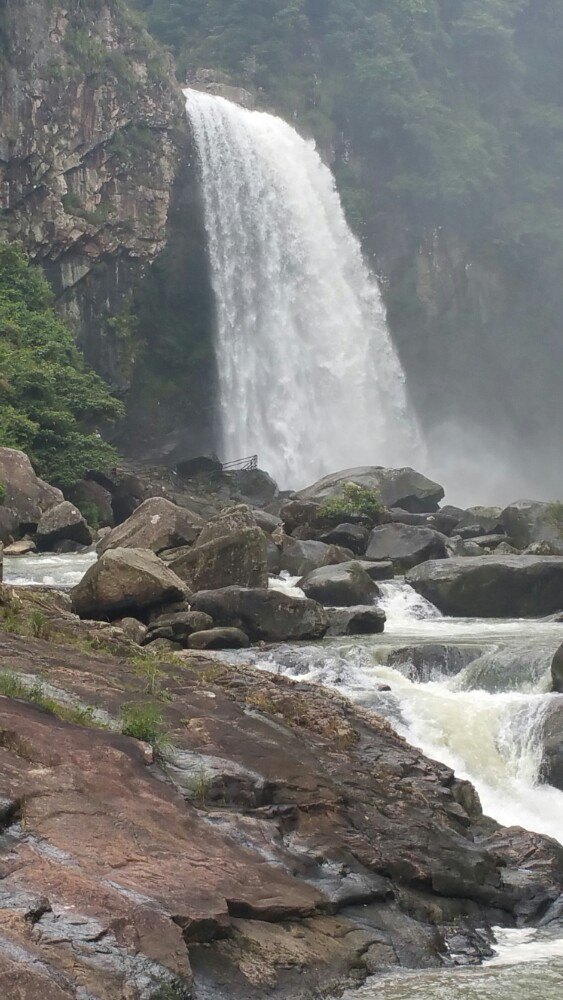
91,127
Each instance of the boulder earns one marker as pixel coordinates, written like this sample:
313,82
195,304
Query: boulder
178,626
133,629
268,522
344,585
63,522
125,580
256,485
263,614
489,518
360,620
237,559
552,743
22,548
273,556
528,521
157,524
456,546
9,524
469,531
226,523
297,513
219,638
406,545
381,570
26,495
490,541
94,500
199,465
300,557
352,536
403,488
431,661
492,586
557,671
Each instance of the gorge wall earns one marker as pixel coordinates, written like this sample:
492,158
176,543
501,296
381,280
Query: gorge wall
97,184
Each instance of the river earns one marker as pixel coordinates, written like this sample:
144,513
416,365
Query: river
480,713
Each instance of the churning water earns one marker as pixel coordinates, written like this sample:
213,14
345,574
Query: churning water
308,376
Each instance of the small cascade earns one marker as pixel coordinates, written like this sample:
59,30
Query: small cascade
308,376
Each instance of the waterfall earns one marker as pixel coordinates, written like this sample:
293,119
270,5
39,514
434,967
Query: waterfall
308,376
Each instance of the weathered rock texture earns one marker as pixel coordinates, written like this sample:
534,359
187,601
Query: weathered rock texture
403,488
492,586
156,524
126,580
297,844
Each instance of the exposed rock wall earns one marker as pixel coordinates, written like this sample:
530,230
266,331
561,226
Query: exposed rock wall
94,161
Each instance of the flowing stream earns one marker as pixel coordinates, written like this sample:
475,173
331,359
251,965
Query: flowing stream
478,706
308,376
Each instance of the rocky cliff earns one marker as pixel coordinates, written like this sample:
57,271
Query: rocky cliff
94,165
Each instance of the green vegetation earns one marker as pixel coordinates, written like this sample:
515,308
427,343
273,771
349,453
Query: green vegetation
2,493
355,500
144,721
51,405
13,686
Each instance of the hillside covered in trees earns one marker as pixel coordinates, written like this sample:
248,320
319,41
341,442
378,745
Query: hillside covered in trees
443,123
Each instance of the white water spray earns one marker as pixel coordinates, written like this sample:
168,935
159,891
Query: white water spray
308,376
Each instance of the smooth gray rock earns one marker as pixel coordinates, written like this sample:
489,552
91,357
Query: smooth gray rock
406,545
125,580
403,488
552,741
263,614
344,585
352,536
25,494
360,620
62,523
219,638
300,557
492,586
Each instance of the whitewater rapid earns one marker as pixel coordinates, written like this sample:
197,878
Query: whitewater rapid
308,376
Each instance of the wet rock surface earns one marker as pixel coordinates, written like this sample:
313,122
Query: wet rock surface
287,843
492,586
344,585
406,545
263,614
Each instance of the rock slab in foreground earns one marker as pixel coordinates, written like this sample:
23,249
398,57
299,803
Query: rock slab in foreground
263,614
492,586
125,580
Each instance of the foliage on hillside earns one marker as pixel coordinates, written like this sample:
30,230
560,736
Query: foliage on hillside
50,404
457,105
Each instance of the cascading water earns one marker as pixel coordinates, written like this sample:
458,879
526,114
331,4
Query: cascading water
308,376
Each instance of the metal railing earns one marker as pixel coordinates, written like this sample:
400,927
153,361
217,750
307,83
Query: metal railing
242,464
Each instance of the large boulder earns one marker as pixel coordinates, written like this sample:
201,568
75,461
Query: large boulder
352,536
226,523
528,521
492,586
263,614
125,580
256,485
557,671
300,513
157,524
403,488
489,518
9,524
406,545
25,494
236,559
219,638
64,522
552,743
344,585
360,620
300,557
177,626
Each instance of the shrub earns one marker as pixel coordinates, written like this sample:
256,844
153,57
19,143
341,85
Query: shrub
50,404
355,500
2,494
143,721
13,686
